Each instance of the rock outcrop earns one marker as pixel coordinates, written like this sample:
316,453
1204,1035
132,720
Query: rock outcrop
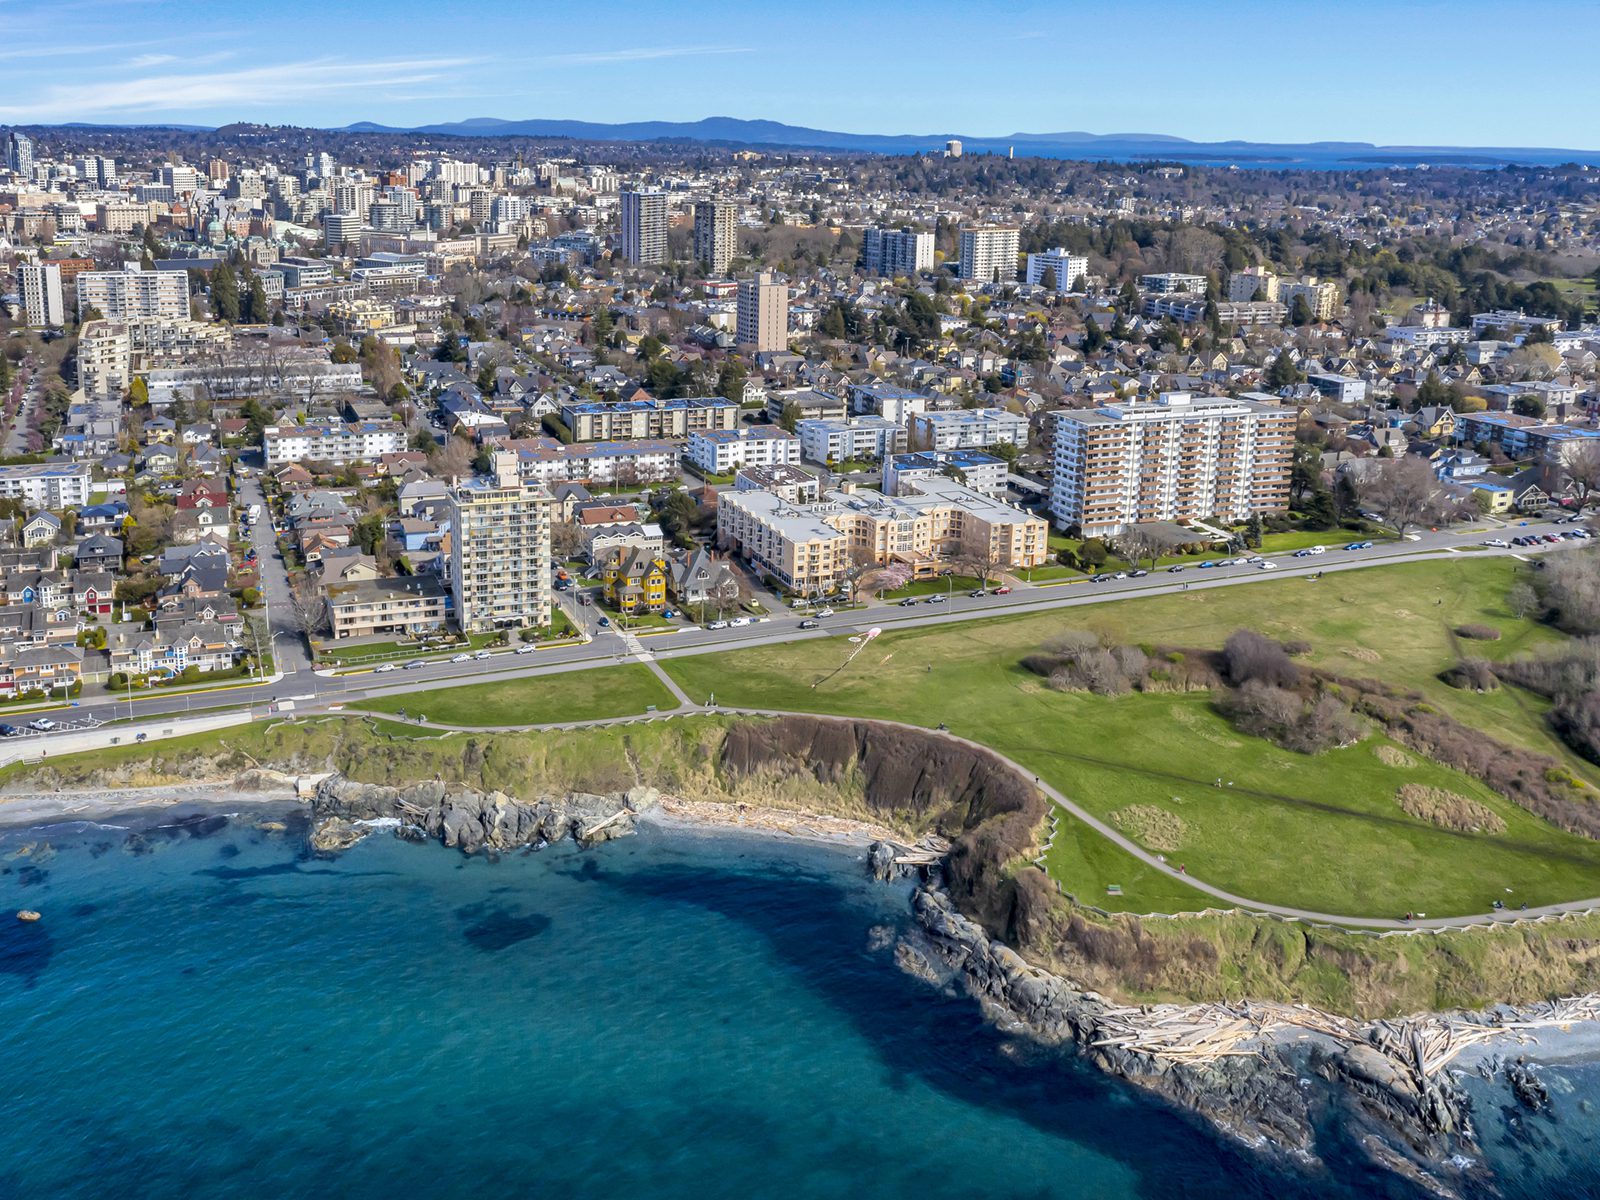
1276,1097
474,820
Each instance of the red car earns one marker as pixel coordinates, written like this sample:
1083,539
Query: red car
1002,591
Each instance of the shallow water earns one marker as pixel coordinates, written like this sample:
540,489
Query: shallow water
206,1011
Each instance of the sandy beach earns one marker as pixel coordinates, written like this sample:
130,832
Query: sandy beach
674,813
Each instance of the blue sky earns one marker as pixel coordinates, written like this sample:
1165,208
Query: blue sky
1442,72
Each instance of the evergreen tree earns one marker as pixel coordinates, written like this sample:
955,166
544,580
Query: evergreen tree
256,301
1283,373
224,293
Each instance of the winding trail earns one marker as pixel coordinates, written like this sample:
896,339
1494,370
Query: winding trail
1062,801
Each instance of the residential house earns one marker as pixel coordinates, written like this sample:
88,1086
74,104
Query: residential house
635,580
99,551
41,529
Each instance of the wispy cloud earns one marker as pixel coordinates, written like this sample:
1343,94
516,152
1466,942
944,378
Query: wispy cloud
640,54
250,88
141,62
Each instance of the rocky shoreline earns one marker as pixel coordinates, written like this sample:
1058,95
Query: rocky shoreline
1287,1089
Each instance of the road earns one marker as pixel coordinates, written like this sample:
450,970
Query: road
609,647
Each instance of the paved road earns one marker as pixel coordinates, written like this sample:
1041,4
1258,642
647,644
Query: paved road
608,647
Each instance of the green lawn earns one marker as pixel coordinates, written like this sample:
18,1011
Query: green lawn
928,587
1321,832
619,691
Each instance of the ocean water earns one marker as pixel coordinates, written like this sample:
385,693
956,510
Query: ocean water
206,1011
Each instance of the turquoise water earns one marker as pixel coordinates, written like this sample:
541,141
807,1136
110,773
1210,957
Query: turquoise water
207,1012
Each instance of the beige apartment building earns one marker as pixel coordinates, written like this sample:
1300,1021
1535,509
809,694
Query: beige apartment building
500,556
1179,458
809,548
627,420
763,313
404,606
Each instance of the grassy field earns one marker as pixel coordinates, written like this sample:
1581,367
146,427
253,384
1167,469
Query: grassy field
955,584
1321,832
620,691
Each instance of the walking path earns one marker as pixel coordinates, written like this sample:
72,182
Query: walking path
1153,861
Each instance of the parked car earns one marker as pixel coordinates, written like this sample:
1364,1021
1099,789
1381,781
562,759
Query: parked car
1498,542
1302,553
1266,565
459,658
604,622
42,724
1002,591
385,668
908,602
1207,563
1359,546
9,731
1173,570
415,663
934,600
527,648
1317,549
810,623
824,612
1138,573
737,622
482,654
978,593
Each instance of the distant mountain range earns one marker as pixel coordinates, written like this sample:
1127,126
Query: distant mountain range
1075,144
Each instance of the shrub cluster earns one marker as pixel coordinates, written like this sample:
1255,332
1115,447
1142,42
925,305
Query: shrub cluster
1079,661
1306,725
1478,633
1570,678
1472,674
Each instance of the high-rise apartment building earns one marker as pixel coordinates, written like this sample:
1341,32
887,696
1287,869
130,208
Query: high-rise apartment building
1321,299
179,178
644,226
19,153
1180,458
500,552
763,313
1063,268
715,242
41,294
989,253
340,229
896,251
131,294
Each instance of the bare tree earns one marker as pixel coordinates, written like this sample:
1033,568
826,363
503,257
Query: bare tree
1405,494
566,539
1135,545
979,554
306,599
1582,469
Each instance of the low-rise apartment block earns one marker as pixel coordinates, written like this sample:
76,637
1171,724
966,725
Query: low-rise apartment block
46,485
620,420
811,548
337,443
723,451
403,606
969,429
983,473
856,439
1180,458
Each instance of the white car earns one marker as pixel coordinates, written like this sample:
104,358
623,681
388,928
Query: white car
717,625
385,668
462,658
738,621
42,724
824,612
1317,549
528,649
1499,543
482,654
1266,565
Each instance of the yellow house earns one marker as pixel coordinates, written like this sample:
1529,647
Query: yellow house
635,580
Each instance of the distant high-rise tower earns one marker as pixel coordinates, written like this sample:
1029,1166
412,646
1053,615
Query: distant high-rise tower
989,253
896,251
41,294
714,240
19,153
952,148
644,226
763,313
